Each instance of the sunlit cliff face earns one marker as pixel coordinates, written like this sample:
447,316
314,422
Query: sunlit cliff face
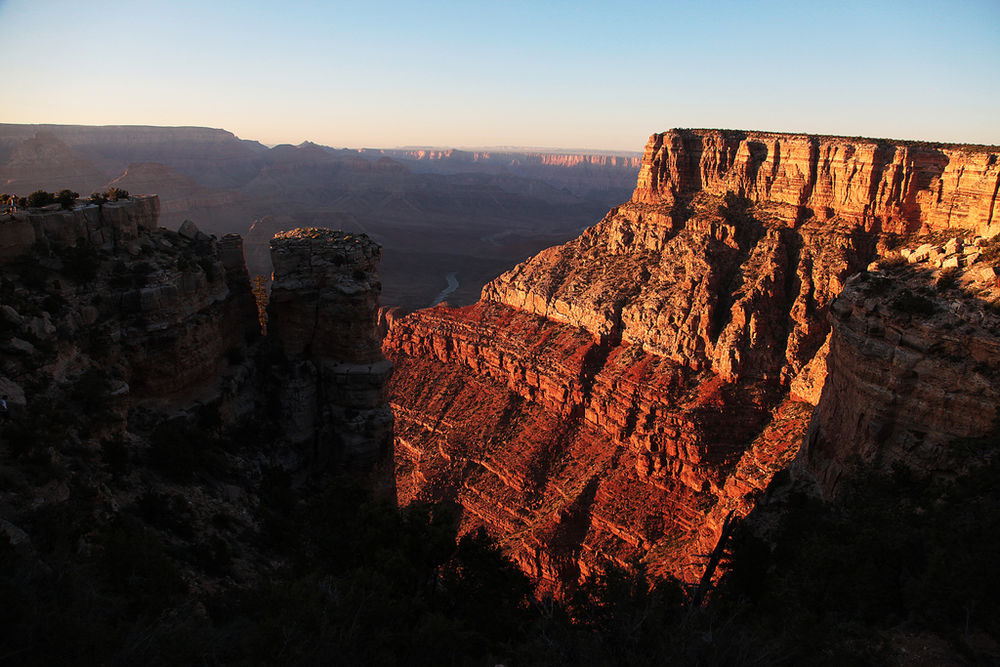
616,397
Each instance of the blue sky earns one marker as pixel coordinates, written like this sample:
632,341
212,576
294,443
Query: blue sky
601,75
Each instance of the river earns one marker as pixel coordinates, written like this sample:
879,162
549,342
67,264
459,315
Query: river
452,279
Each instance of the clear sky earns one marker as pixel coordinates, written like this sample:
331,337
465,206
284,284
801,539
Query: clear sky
579,74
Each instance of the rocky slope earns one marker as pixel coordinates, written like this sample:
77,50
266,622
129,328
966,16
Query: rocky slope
616,397
912,370
140,388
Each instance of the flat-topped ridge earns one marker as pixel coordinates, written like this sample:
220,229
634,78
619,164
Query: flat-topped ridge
901,187
882,141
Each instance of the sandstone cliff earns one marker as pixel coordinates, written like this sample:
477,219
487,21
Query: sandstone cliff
158,309
616,397
113,226
888,186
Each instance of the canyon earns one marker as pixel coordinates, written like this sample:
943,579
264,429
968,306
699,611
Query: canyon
122,336
434,213
770,323
614,399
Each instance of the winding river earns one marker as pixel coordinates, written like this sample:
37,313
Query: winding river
452,279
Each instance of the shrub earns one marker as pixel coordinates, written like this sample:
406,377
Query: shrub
66,198
40,198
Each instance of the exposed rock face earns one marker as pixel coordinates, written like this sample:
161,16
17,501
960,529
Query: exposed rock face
161,316
323,314
615,397
111,226
911,369
904,187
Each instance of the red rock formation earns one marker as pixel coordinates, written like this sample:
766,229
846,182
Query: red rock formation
616,397
901,187
910,371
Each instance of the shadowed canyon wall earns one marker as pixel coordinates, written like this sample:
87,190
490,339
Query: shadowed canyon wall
614,398
170,319
322,316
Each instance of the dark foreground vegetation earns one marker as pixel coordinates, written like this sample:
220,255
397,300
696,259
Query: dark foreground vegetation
899,562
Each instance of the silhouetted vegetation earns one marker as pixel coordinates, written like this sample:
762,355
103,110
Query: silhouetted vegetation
66,198
40,198
914,304
895,554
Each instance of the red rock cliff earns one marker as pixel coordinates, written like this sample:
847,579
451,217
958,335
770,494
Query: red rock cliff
901,187
615,397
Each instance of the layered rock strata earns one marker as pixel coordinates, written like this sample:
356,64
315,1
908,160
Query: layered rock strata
913,371
322,316
148,326
111,226
616,397
892,186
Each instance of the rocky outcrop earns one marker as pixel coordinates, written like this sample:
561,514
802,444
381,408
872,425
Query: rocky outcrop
720,289
164,320
617,396
889,186
322,316
164,307
912,371
111,226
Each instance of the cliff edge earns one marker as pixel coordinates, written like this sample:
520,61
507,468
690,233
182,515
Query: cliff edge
616,397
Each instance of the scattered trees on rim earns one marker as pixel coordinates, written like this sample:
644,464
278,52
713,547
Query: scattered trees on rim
111,194
40,198
65,198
